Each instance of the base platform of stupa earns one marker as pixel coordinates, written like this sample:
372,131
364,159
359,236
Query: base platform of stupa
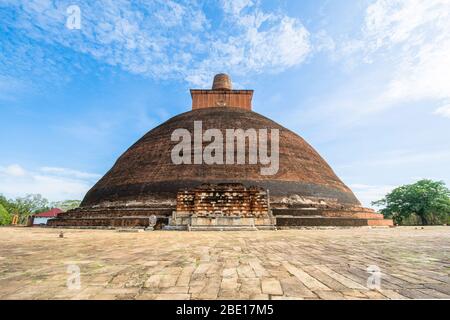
306,216
223,207
282,219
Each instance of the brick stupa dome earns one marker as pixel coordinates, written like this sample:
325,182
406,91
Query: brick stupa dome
145,170
144,180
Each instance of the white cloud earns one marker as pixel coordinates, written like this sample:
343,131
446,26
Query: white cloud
400,55
255,42
443,111
402,158
168,39
413,38
236,6
53,183
322,41
11,87
14,170
368,193
70,173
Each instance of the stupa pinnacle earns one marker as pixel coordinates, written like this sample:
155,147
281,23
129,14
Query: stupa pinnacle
222,81
221,95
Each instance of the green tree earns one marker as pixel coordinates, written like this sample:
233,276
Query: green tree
5,217
25,206
31,203
429,200
8,205
66,204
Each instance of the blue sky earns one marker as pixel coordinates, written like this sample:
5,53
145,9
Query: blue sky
366,83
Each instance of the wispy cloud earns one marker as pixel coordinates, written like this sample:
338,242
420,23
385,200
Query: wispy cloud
368,193
443,111
168,39
403,157
420,30
399,55
411,40
14,170
65,172
11,87
52,182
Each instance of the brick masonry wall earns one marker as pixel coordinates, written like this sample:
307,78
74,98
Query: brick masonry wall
227,199
222,98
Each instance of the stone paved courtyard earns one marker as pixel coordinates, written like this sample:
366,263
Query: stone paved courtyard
293,264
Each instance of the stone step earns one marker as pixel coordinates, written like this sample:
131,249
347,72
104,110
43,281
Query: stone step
330,221
296,217
222,228
294,207
313,212
113,222
115,213
296,212
133,209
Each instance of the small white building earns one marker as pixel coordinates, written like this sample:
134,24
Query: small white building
43,217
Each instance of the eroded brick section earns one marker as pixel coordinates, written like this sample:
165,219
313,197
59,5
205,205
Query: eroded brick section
225,199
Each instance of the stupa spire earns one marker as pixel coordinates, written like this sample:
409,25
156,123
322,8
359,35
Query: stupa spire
221,95
222,81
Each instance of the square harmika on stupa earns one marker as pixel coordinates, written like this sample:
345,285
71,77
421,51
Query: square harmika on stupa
144,186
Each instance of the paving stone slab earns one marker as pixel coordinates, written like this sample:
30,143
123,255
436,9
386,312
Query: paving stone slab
285,264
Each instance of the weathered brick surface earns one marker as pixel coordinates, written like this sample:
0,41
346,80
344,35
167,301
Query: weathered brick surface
121,222
222,81
327,216
222,98
330,222
226,199
145,171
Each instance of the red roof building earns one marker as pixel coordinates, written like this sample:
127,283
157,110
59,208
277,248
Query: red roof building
43,217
